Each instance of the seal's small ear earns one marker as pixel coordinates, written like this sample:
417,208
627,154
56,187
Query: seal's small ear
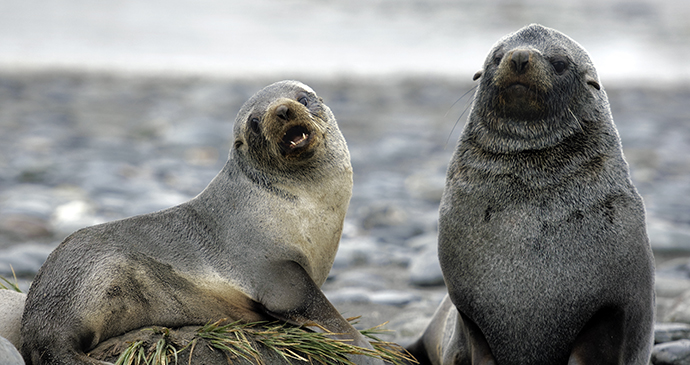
593,82
477,75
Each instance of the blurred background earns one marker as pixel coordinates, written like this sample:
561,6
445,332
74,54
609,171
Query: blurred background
110,109
640,40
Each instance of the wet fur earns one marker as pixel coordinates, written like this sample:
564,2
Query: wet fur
256,244
542,235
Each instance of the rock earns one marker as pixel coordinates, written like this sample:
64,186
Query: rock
665,236
352,252
9,354
425,269
670,286
363,296
359,251
679,311
382,215
676,268
393,297
348,295
663,306
667,332
389,222
360,279
12,304
672,353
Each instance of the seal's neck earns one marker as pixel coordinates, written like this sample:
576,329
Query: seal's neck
491,154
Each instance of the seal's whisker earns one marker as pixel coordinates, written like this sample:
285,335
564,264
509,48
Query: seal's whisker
467,107
460,98
579,124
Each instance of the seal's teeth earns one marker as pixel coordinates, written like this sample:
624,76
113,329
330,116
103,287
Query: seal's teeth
293,143
304,136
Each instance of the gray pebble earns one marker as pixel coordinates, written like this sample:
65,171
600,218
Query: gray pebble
393,297
672,353
678,267
9,354
670,286
353,252
667,237
359,279
363,296
680,310
382,215
667,332
360,251
425,269
348,295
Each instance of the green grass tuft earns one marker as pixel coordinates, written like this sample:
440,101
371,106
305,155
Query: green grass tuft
10,285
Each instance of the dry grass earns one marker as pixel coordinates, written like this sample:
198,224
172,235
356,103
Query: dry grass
243,340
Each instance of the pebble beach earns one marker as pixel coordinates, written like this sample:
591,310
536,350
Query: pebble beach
111,137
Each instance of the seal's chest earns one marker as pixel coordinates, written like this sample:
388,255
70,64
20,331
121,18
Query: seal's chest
312,224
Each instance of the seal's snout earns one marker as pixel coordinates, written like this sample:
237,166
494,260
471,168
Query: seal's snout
522,79
520,60
283,113
291,127
297,133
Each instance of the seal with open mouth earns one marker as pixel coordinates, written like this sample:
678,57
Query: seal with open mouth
542,238
256,244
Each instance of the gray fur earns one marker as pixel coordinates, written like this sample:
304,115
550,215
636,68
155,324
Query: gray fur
542,237
256,244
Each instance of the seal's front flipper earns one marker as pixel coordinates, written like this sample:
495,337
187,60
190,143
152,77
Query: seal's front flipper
480,353
451,338
289,294
601,340
436,342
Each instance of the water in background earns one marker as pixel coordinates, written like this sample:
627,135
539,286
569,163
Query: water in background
640,41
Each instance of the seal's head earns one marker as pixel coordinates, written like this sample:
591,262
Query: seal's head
285,126
535,86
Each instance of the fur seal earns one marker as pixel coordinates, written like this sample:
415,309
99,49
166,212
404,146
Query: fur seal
256,244
542,237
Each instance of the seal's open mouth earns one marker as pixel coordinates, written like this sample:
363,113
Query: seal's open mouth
295,138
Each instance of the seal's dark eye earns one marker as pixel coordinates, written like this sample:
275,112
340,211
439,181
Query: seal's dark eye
254,125
303,100
497,59
559,65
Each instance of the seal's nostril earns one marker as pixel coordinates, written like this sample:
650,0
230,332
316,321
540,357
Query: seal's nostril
520,60
283,112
